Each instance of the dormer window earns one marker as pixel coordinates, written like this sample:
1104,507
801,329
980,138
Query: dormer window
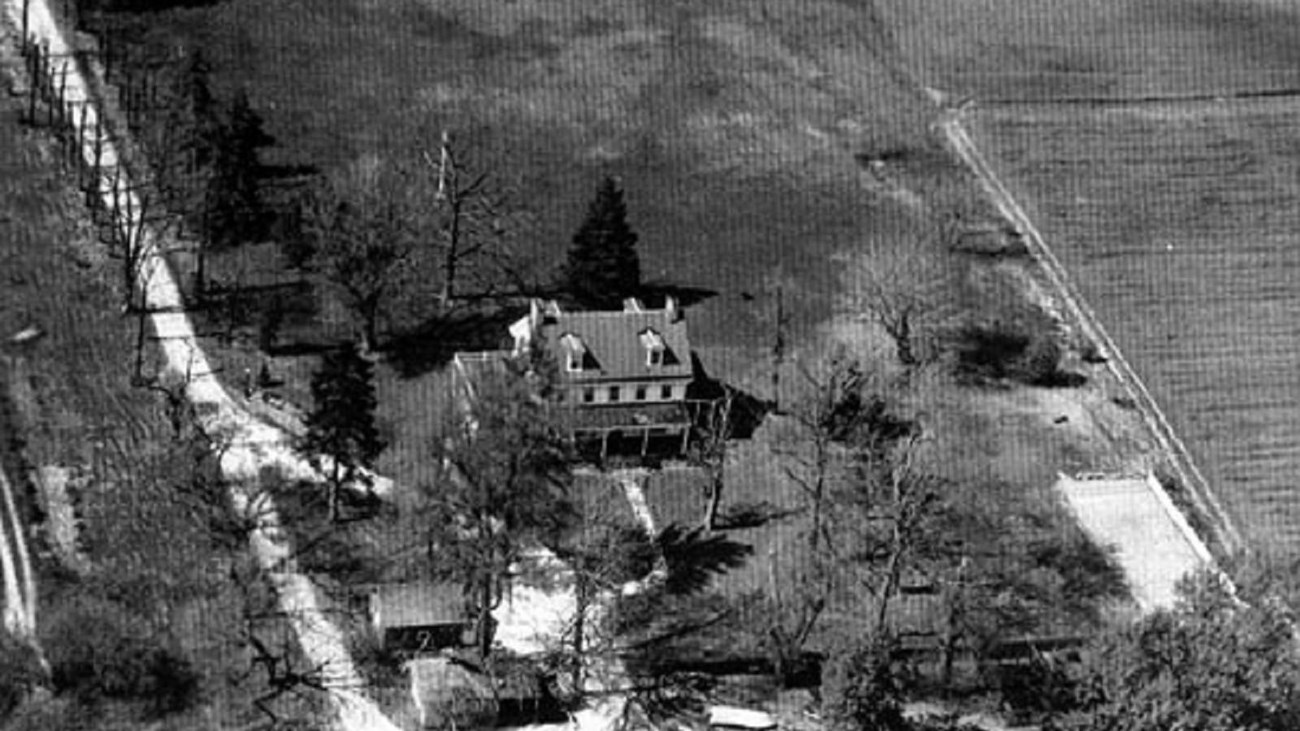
574,352
654,346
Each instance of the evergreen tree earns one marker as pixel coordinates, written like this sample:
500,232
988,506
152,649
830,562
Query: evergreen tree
233,208
603,268
341,426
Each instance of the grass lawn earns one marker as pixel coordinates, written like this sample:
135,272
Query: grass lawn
1012,466
732,127
74,406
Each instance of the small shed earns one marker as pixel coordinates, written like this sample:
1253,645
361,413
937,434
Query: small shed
420,616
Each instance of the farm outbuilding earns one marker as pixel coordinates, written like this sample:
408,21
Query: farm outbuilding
419,616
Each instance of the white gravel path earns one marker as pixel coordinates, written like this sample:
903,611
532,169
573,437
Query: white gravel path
250,445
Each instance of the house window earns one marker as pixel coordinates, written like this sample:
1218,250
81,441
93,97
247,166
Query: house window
665,392
654,346
640,393
588,395
613,393
575,352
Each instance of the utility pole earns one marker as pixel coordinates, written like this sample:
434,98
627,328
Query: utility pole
444,166
453,196
778,349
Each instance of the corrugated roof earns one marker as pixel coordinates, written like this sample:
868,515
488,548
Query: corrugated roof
614,348
417,604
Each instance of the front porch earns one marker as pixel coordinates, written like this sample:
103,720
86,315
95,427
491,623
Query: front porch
644,431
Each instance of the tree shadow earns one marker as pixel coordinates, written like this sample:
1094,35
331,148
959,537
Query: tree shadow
432,344
752,515
694,557
284,316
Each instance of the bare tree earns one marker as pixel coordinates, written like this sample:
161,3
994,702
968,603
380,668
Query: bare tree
472,220
772,311
887,522
504,482
709,449
832,417
361,227
604,552
813,462
906,288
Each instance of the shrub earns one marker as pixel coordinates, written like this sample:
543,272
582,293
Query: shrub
750,515
97,650
861,690
382,666
1039,363
1008,349
20,672
1043,686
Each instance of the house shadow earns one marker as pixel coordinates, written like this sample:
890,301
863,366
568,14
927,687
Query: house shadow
432,344
654,294
747,410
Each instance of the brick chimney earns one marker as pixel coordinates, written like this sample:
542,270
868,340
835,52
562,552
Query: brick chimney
670,306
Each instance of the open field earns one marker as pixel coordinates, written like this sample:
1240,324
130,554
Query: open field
1063,49
1179,223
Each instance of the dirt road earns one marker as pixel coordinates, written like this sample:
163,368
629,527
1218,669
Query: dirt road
248,445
